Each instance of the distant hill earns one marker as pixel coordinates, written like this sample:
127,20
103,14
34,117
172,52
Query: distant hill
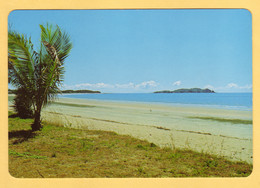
192,90
13,91
80,91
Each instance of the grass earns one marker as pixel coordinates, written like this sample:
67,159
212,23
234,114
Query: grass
234,121
26,155
59,152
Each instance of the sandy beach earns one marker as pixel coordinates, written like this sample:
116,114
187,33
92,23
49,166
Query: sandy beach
164,125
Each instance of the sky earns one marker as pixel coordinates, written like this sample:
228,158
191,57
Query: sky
140,51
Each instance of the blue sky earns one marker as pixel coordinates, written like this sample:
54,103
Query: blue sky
150,50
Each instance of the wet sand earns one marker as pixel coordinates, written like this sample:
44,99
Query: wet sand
164,125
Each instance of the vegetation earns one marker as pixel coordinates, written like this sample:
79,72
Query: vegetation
192,90
22,104
37,75
80,91
234,121
59,152
14,91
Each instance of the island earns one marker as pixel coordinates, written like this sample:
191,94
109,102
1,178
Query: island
192,90
13,91
79,91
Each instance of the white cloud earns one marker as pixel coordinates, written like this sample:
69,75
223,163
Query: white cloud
143,85
177,83
236,86
65,86
130,85
97,85
232,85
147,84
246,87
125,86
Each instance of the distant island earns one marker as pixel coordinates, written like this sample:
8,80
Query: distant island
80,91
192,90
13,91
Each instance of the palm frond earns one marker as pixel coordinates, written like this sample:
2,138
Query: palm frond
55,38
55,44
21,60
39,74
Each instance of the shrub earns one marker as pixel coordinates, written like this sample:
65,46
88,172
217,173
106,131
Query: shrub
23,104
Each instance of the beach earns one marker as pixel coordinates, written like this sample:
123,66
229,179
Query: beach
174,126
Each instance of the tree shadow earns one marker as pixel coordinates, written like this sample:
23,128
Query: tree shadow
17,115
21,135
13,116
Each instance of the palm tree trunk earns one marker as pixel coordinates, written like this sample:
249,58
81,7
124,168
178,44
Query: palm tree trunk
36,126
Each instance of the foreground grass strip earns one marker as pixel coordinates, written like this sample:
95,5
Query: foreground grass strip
76,153
234,121
26,154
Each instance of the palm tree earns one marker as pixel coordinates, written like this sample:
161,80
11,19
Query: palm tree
38,74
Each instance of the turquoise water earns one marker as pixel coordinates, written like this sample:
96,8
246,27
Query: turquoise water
238,101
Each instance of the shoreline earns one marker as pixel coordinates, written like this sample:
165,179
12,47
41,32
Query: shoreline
211,106
228,107
166,126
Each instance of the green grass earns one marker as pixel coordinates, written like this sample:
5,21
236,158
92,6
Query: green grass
26,155
234,121
59,152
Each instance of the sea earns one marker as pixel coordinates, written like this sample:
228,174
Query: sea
235,101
